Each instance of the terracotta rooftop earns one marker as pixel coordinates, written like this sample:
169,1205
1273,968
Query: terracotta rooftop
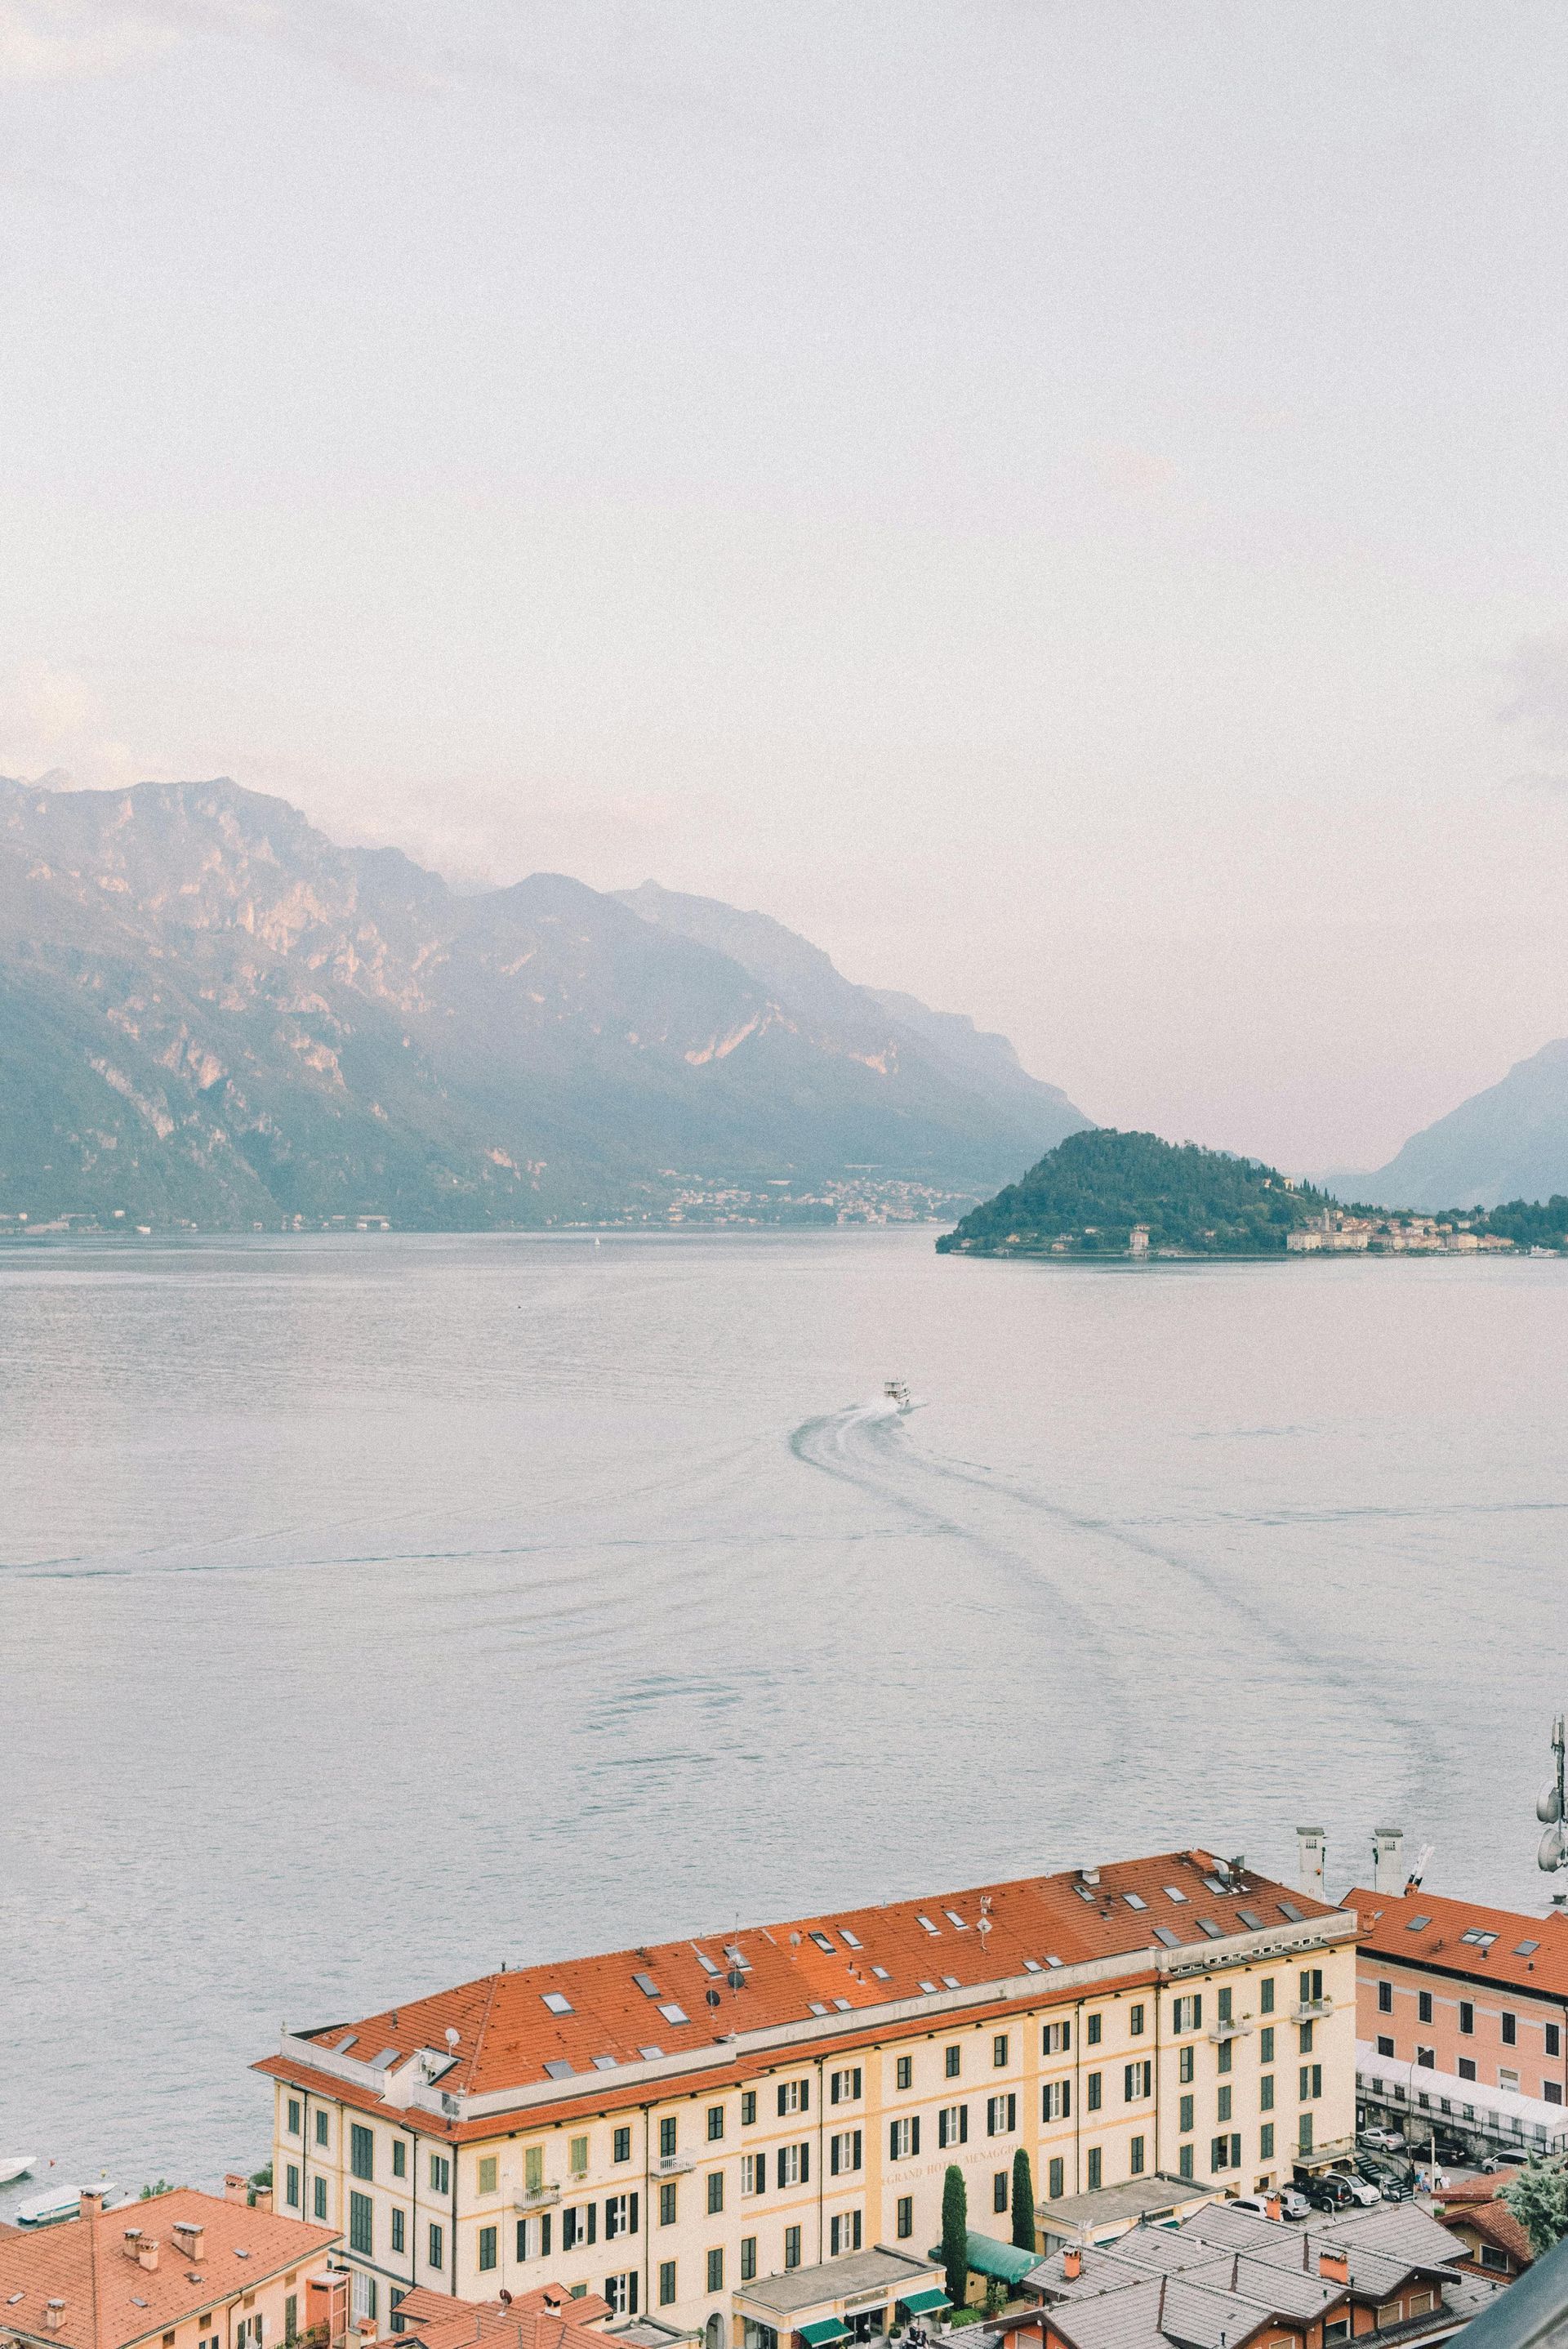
1494,2222
582,2018
1501,1945
546,2318
111,2300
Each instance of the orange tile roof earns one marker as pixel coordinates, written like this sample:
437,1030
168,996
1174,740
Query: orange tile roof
112,2300
546,2318
1495,2222
628,2005
1389,1930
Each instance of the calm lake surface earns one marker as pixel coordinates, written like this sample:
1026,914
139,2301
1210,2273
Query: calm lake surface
375,1608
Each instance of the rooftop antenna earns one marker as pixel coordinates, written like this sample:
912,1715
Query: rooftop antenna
1552,1850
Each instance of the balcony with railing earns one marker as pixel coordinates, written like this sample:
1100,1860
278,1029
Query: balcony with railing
535,2198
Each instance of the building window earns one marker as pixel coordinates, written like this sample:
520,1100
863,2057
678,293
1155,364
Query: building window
1184,2064
844,2233
715,2123
1055,2038
1385,1997
1266,2093
1305,2038
1096,2168
318,2197
361,2222
1311,2082
953,2125
1001,2115
668,2137
1137,2163
292,2123
1184,2116
1184,2161
1426,2058
435,2249
999,2050
667,2283
1225,2153
1467,2062
1136,2080
1490,2257
1552,2092
291,2187
398,2224
903,2139
621,2144
1095,2090
1265,1995
1225,2052
488,2253
999,2190
794,2096
716,2270
1424,2004
620,2215
715,2191
748,2106
1223,2009
1304,2135
321,2128
1223,2112
489,2172
748,2258
903,2071
577,2157
1266,2044
1057,2181
1467,2017
844,2152
399,2158
621,2291
534,2169
1386,2047
440,2174
1265,2142
579,2226
1189,2015
791,2247
1312,1986
1057,2100
667,2203
1338,2331
291,2315
361,2301
1096,2025
361,2151
904,2220
953,2059
793,2167
1135,2022
1510,2030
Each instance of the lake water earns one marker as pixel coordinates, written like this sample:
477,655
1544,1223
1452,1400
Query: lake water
375,1608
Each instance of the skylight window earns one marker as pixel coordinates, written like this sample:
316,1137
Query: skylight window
843,2006
929,1988
1251,1919
1214,1884
1033,1966
1289,1908
1163,1933
929,1927
557,2002
851,1940
1523,1949
1173,1894
606,2063
704,1960
1134,1900
673,2013
951,1981
954,1918
650,2054
1084,1893
1477,1939
822,1943
1050,1961
882,1973
816,2006
1415,1925
738,1958
387,2055
348,2040
557,2071
648,1985
1207,1925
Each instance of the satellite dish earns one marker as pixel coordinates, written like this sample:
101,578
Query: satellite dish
1553,1849
715,1995
452,2036
735,1978
1549,1803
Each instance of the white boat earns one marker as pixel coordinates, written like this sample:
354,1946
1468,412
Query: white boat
896,1393
63,2202
14,2166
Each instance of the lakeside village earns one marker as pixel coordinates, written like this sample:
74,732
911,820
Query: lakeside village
1163,2103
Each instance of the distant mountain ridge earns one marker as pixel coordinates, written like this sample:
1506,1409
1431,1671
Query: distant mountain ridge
211,1012
1103,1193
1510,1142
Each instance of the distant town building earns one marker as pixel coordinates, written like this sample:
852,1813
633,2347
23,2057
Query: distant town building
703,2132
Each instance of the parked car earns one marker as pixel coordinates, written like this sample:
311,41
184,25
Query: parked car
1490,2163
1293,2204
1259,2203
1330,2192
1363,2191
1453,2151
1381,2141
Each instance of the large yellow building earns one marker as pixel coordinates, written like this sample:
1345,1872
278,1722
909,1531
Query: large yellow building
671,2126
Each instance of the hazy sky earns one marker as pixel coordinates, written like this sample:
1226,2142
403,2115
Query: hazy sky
1064,503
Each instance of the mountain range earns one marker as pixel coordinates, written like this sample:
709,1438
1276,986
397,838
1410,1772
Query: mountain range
1510,1142
211,1014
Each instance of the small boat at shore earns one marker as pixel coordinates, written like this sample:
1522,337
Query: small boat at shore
15,2165
63,2202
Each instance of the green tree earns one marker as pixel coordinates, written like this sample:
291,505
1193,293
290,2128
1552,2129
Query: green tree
1538,2199
1024,2237
955,2235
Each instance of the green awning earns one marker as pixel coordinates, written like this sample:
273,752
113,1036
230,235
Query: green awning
983,2255
925,2304
826,2329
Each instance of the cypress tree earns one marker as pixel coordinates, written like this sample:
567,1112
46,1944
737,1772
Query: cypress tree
955,2235
1024,2237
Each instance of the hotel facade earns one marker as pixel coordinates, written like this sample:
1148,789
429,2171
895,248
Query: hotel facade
678,2126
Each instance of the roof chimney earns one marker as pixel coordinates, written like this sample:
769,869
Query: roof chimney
1072,2265
552,2301
1089,1875
236,2187
1312,1846
147,2251
54,2315
90,2202
1334,2267
189,2235
1388,1860
132,2242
